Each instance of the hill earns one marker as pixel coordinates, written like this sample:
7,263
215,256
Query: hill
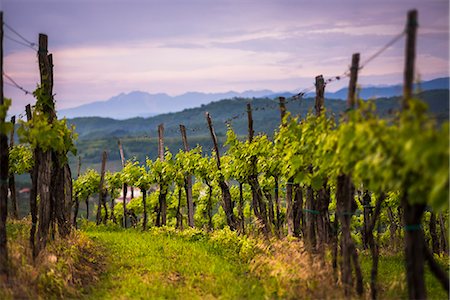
142,104
139,135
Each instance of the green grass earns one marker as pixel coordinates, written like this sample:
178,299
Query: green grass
392,278
159,266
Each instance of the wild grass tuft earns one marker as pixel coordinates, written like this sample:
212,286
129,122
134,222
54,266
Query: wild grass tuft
66,268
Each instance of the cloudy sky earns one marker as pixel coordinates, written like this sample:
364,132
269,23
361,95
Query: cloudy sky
104,47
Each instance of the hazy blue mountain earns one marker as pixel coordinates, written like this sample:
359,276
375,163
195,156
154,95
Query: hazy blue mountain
142,104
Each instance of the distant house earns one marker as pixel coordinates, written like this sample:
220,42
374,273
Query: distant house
25,191
136,193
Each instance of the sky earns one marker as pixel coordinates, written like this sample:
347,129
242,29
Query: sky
102,48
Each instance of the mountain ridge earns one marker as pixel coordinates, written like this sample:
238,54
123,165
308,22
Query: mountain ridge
143,104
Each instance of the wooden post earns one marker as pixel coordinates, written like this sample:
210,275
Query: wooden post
161,141
257,194
101,193
144,204
227,203
289,185
282,103
277,205
214,139
316,216
259,205
188,181
33,191
79,167
124,187
410,53
345,203
28,112
46,75
44,158
351,99
412,213
251,132
3,174
11,136
320,94
443,235
184,137
12,183
162,212
77,200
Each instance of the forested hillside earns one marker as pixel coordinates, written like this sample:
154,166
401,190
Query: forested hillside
139,135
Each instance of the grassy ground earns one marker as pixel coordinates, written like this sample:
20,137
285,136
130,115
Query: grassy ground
392,278
161,266
162,263
65,269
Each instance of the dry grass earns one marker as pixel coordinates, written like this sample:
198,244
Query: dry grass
64,269
288,271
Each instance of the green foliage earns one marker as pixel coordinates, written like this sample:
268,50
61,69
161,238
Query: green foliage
162,171
5,127
56,136
20,159
206,169
44,101
87,184
113,180
135,175
201,217
409,155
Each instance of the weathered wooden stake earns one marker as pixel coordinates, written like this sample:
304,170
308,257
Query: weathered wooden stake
320,94
251,132
188,181
144,204
33,192
345,204
161,141
101,192
44,158
317,216
443,234
162,212
3,174
351,99
410,53
257,193
282,103
77,200
289,185
227,204
415,248
12,183
124,187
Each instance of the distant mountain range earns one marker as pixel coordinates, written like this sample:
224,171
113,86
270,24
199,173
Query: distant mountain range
139,136
143,104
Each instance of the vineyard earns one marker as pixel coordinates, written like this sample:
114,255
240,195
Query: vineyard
348,192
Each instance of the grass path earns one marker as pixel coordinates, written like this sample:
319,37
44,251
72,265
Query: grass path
149,266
